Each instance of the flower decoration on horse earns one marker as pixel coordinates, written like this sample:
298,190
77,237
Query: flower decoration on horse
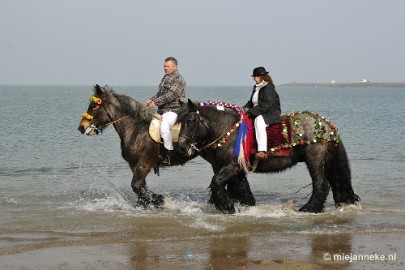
96,100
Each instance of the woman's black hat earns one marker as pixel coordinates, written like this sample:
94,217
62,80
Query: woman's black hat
259,71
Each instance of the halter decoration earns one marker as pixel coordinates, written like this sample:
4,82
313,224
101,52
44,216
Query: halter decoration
87,116
96,100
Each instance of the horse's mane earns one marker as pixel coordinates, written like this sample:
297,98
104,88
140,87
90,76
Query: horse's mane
213,111
130,106
210,112
184,111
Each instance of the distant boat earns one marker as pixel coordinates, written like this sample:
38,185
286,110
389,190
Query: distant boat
332,81
362,81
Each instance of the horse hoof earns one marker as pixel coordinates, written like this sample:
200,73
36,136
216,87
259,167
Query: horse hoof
158,201
226,210
250,201
309,209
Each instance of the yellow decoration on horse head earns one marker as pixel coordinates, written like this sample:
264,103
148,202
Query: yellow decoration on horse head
96,100
87,116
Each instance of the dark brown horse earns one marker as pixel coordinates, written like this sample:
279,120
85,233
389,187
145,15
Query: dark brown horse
314,141
131,121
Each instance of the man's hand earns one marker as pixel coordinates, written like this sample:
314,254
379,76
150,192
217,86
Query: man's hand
150,103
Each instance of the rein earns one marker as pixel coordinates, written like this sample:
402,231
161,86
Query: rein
115,121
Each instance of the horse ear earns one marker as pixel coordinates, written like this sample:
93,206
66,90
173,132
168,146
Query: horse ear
97,90
192,106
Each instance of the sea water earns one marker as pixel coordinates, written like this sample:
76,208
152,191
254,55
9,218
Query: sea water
59,186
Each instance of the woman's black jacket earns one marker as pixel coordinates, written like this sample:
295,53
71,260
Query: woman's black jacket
268,105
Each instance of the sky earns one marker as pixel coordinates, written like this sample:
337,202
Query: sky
216,42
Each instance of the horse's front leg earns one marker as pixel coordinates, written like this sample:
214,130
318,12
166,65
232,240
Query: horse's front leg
138,184
239,189
219,195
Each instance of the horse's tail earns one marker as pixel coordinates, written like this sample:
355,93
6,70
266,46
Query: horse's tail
339,175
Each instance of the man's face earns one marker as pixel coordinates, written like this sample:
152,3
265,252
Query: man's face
169,67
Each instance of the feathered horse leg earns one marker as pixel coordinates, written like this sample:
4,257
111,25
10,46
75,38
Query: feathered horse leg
320,185
219,195
239,189
138,184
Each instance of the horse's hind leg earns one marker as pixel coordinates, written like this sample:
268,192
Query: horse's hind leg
219,195
320,188
138,184
239,189
342,190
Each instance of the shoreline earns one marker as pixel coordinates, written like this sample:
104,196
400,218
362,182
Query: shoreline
373,84
298,84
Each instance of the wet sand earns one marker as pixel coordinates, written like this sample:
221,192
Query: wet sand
212,251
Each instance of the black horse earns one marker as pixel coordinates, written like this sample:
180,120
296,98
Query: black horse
208,130
131,121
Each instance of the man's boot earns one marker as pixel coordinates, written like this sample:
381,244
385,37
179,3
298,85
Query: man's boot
169,157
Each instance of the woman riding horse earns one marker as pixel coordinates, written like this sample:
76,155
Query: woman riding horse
209,131
264,107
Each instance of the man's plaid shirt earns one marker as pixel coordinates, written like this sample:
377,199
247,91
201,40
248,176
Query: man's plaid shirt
171,93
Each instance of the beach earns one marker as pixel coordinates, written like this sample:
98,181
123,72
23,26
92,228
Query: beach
213,251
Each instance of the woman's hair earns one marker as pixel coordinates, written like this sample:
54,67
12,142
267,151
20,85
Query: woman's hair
268,79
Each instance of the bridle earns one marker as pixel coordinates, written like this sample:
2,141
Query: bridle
192,140
193,143
90,117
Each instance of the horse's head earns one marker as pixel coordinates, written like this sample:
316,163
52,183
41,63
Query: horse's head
194,131
96,117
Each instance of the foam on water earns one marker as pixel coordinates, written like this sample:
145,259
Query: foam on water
201,215
186,207
111,203
268,210
102,198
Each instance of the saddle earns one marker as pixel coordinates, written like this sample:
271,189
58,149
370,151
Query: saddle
154,129
275,138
